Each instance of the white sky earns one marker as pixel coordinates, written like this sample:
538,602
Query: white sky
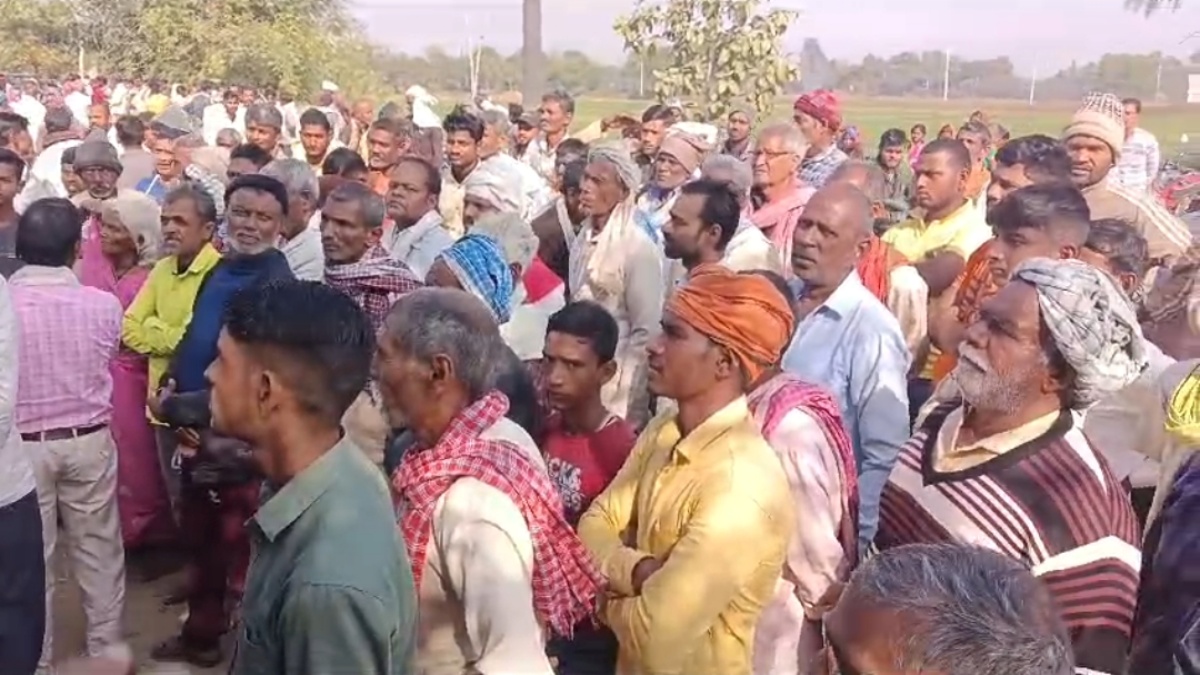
1046,34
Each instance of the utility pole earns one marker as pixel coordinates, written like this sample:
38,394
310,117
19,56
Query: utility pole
946,77
533,72
1033,85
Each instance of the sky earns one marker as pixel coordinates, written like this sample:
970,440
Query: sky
1045,35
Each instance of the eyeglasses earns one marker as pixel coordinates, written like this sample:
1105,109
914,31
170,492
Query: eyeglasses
769,155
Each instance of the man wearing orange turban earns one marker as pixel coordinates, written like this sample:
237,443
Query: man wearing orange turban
749,314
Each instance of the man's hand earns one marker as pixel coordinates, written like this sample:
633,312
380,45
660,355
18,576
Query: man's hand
642,572
155,402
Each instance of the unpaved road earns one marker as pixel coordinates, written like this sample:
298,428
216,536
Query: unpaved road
147,623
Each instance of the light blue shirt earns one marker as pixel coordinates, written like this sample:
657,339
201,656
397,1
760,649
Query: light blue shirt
852,345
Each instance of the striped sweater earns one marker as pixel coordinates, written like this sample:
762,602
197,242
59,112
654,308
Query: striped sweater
1051,503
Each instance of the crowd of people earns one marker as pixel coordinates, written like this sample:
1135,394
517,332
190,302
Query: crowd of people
475,393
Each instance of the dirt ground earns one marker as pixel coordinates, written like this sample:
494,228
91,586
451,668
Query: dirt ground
147,623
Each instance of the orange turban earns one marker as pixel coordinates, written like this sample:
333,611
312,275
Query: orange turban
743,313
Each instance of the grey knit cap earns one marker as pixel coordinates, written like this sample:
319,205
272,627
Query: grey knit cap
173,122
96,153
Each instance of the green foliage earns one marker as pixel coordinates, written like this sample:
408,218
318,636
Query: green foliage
722,51
291,44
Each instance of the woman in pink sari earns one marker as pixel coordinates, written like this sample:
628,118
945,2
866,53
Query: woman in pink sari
117,256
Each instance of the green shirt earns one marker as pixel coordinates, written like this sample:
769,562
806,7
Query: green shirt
330,588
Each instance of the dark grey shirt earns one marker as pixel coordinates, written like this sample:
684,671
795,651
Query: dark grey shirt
330,588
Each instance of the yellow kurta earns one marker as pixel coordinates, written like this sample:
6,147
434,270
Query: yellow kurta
715,508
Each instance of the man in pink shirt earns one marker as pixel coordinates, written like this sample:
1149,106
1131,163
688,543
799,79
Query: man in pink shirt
67,335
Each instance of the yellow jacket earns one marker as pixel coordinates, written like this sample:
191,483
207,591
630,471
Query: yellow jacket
155,321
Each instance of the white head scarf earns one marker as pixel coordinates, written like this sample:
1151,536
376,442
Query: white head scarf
1092,322
422,107
489,183
603,269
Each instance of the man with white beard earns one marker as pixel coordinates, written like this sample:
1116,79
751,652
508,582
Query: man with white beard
220,484
1006,466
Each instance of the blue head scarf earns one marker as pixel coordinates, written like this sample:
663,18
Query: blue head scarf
478,263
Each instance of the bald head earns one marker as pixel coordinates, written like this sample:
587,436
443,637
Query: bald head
849,207
866,176
833,231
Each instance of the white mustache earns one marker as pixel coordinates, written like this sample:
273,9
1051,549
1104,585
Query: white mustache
974,359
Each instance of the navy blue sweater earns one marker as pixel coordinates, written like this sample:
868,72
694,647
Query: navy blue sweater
198,348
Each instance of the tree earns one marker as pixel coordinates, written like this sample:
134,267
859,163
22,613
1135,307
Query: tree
721,50
1149,7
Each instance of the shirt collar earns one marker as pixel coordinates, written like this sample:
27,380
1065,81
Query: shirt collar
966,207
709,431
201,264
844,298
293,499
40,275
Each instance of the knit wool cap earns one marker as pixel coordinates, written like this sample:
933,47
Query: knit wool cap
95,153
1102,116
173,122
687,149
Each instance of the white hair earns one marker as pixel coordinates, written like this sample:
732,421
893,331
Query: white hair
141,216
967,610
729,169
514,235
497,119
296,176
793,141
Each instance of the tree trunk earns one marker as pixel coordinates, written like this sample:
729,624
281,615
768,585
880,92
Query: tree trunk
533,75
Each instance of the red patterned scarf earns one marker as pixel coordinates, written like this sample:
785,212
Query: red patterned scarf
876,265
796,393
375,282
565,582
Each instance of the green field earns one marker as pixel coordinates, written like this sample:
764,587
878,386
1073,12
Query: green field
874,115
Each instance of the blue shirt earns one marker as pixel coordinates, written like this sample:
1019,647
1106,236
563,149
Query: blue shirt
198,347
153,187
853,346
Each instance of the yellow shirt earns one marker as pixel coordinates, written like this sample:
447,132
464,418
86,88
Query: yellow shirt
714,507
961,232
155,321
950,456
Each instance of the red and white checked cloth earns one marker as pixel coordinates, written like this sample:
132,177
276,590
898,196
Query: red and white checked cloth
565,581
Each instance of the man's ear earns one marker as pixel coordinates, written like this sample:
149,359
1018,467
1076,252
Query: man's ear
608,370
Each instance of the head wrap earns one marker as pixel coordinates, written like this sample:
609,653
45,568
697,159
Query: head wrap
264,114
743,313
478,264
1101,116
687,149
1092,322
513,233
140,214
823,105
499,188
95,153
603,267
1183,410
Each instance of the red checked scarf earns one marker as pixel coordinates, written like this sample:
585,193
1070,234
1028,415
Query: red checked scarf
795,393
375,282
565,582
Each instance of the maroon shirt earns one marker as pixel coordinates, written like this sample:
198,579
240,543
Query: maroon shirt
582,465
